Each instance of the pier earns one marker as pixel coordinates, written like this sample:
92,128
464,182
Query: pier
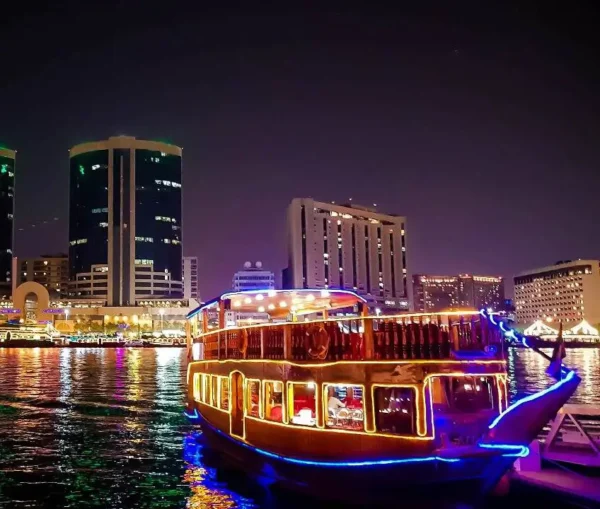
565,458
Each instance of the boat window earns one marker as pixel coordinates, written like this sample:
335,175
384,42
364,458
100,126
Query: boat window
224,394
274,401
395,410
253,398
197,386
206,389
302,403
345,407
464,394
215,391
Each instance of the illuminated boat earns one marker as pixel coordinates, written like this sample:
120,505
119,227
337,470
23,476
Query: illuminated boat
319,394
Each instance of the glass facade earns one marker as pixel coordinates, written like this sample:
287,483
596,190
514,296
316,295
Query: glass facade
7,191
158,210
125,214
88,211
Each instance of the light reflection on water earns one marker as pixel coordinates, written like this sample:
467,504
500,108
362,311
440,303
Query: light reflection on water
103,428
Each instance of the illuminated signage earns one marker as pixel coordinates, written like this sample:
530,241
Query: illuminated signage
9,311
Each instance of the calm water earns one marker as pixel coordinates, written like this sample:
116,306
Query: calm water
104,428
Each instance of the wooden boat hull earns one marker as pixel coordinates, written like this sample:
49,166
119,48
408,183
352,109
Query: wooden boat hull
464,479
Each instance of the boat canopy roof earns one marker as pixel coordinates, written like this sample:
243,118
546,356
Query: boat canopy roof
280,303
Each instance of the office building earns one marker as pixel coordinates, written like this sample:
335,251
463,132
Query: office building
51,271
568,291
438,293
125,220
190,277
253,277
7,205
350,247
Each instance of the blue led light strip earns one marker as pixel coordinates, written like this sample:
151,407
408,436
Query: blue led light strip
569,374
517,451
532,397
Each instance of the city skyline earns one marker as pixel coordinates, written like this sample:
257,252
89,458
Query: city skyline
469,137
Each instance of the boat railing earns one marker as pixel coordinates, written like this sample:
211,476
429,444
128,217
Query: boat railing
422,336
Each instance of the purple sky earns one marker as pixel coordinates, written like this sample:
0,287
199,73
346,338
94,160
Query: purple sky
481,126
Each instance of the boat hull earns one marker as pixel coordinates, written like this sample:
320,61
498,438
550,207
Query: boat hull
465,479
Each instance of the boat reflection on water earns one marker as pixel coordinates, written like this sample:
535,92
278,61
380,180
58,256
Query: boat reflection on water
202,474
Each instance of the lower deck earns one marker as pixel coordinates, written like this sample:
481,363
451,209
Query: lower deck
349,410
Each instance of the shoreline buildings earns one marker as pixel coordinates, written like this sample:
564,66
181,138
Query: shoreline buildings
125,244
442,293
189,273
568,291
253,277
347,247
7,210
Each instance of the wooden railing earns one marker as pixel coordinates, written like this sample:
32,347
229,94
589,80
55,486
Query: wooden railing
358,338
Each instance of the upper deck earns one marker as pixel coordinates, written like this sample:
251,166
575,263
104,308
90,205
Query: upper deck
299,325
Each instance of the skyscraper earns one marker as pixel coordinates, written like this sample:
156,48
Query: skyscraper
350,247
190,277
125,220
7,204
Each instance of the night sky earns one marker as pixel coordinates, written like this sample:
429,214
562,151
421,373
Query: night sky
480,124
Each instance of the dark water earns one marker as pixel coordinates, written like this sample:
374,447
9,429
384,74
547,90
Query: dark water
104,428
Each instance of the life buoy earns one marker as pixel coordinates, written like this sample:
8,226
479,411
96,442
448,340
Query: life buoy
243,343
317,342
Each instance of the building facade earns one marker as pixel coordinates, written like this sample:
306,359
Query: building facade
349,247
125,220
253,277
190,277
7,206
438,293
51,271
568,291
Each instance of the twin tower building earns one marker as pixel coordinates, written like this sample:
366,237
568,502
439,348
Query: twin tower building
125,229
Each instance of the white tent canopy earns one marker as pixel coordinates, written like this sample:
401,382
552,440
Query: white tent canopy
581,330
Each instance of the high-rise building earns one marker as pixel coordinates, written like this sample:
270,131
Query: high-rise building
7,205
125,220
568,291
438,293
253,277
51,271
350,247
190,277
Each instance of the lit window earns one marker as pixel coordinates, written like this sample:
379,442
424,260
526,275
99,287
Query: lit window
144,239
395,410
253,398
345,407
197,386
215,391
273,403
175,184
302,403
167,241
141,261
99,211
224,394
103,224
206,389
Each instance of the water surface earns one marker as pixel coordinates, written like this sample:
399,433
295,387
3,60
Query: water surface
104,428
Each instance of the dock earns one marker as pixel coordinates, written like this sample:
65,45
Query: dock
565,459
